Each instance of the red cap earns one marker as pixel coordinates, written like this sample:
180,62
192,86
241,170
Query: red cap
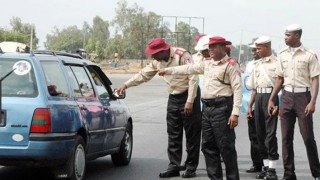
219,40
199,36
156,45
228,48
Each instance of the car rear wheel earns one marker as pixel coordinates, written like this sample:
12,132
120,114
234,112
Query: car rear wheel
79,160
74,169
123,157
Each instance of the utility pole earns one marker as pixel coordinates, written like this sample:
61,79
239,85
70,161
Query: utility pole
31,38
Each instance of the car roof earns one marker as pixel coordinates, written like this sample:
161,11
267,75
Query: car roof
68,58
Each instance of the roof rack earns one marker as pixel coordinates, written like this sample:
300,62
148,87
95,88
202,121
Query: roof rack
56,53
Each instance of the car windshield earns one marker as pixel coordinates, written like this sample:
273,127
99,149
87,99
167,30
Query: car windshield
21,84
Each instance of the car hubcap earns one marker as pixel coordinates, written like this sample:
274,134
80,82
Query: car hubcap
127,144
79,162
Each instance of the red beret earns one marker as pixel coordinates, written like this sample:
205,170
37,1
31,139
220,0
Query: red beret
156,45
219,40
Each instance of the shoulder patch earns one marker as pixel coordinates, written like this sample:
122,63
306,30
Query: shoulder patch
232,61
180,52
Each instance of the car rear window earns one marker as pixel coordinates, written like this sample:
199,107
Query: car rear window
18,84
56,82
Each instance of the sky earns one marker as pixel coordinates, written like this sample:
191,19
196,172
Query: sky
237,20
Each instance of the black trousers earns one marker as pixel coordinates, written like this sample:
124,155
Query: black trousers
218,139
292,107
266,127
176,122
254,145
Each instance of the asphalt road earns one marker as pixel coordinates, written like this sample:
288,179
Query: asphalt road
147,103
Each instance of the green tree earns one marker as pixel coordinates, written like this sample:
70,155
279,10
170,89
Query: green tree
24,29
69,39
99,50
87,33
100,31
185,35
114,45
19,32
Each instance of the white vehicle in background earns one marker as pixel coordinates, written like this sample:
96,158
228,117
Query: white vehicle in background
13,47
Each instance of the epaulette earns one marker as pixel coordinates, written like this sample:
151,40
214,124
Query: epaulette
232,61
180,52
309,50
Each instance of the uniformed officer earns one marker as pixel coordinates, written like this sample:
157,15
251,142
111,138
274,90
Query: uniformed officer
262,80
222,98
254,145
201,48
183,109
298,71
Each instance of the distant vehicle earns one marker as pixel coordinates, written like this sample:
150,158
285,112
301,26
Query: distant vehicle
58,111
11,47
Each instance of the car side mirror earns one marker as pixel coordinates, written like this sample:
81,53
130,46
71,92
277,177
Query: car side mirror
116,95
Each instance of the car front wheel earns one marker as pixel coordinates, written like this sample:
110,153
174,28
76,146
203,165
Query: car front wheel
123,157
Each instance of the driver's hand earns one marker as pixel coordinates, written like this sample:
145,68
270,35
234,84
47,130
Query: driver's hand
121,89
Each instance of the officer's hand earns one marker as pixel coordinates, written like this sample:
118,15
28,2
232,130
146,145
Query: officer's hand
271,108
161,72
121,89
188,108
310,108
249,113
233,121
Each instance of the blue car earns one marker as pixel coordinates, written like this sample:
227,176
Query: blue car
58,111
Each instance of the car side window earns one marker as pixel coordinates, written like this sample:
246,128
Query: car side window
56,82
80,81
102,91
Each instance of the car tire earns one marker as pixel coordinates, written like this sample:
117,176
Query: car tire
123,157
78,162
74,169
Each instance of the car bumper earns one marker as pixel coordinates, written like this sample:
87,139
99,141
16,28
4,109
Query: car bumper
37,153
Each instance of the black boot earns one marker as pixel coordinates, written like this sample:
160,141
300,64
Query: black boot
271,174
263,173
169,173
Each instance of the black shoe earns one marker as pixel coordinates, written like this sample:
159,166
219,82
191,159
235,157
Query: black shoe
169,173
271,174
189,174
254,169
263,173
182,167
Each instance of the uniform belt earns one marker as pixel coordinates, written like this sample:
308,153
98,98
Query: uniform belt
264,90
216,102
297,89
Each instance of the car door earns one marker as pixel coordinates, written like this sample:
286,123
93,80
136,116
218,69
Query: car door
90,107
114,110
